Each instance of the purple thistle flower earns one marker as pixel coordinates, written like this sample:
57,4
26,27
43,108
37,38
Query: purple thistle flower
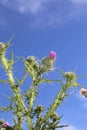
52,55
5,124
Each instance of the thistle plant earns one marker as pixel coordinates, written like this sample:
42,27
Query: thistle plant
23,106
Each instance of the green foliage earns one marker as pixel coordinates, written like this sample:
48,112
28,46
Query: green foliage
22,105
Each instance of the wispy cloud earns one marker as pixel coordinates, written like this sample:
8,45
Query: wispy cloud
83,100
24,6
48,12
79,1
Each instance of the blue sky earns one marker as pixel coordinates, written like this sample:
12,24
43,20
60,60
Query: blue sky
43,25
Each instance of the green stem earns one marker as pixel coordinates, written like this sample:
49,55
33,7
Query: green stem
16,92
30,104
59,98
30,124
9,72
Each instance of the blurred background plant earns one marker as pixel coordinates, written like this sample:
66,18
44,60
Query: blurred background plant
22,105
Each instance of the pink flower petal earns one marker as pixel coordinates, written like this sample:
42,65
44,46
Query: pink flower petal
52,55
5,125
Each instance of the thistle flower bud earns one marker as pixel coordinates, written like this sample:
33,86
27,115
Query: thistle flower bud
49,60
70,76
2,47
54,116
33,62
31,59
83,91
39,109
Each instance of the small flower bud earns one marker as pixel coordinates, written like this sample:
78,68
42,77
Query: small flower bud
49,60
33,62
2,48
39,109
31,59
83,91
70,76
48,63
54,116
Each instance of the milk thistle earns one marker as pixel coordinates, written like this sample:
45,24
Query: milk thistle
23,106
83,91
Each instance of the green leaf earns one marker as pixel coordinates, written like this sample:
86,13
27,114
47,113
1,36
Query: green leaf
75,84
8,43
21,81
48,81
62,126
61,71
4,81
11,62
5,109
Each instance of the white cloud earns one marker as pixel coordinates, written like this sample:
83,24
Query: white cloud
82,101
48,12
24,6
81,97
30,6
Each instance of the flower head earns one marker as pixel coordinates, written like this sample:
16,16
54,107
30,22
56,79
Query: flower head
39,109
2,48
70,76
2,45
83,91
49,60
52,55
32,61
5,124
54,116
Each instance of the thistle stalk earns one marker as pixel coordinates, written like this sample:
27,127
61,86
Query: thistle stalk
9,72
54,105
22,105
30,105
59,98
15,91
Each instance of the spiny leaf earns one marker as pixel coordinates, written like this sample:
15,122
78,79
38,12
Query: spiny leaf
7,96
8,43
11,62
49,81
23,79
61,126
61,71
4,81
5,109
29,68
75,84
